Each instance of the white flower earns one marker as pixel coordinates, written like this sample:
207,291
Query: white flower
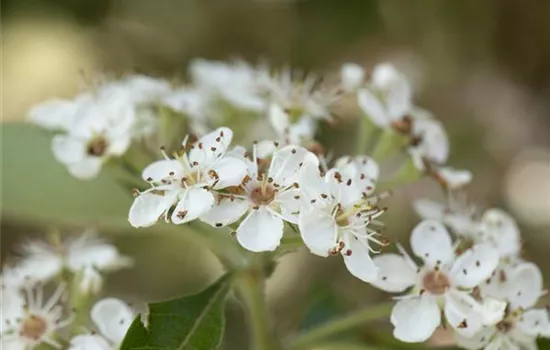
112,317
41,261
521,286
500,229
388,98
336,216
440,283
268,200
188,181
299,98
27,321
452,178
456,214
297,133
352,75
430,142
193,104
235,82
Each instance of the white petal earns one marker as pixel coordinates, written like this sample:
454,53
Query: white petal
359,263
89,342
225,212
355,166
278,119
462,312
492,311
265,149
398,99
384,75
312,185
210,146
91,281
168,169
431,241
41,267
428,209
373,108
96,253
148,207
188,101
195,202
477,341
415,319
112,317
86,169
524,286
395,274
290,203
352,76
454,178
68,150
286,164
318,230
260,231
13,306
500,229
535,322
54,114
474,266
229,171
434,145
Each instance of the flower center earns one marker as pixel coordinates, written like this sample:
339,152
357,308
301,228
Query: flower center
435,282
263,194
97,147
505,326
34,327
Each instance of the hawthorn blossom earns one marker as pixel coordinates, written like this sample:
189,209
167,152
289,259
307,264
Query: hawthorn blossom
499,229
387,99
430,143
266,199
521,286
441,283
336,216
85,255
188,181
27,321
299,98
235,82
455,213
112,318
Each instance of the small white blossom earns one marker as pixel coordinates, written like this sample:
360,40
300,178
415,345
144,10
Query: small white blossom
267,199
521,286
430,142
387,99
41,261
27,321
112,317
336,217
458,215
188,181
235,82
353,76
441,283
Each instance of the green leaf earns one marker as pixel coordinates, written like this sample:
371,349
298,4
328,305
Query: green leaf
37,189
194,322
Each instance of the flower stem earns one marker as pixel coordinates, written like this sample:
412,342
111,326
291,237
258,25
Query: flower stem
366,131
327,330
387,145
251,287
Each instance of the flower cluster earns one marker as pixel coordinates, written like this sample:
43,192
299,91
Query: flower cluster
477,284
29,320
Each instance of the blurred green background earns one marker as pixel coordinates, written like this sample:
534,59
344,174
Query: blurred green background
483,67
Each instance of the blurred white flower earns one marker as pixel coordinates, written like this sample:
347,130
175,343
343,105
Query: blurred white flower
388,98
112,317
188,181
269,198
27,321
336,216
521,286
41,262
100,125
442,282
430,143
298,133
353,76
235,82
